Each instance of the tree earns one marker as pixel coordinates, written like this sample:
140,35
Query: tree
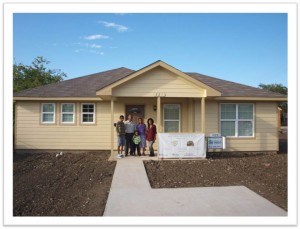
25,77
279,88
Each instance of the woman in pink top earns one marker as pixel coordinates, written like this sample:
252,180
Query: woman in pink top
151,135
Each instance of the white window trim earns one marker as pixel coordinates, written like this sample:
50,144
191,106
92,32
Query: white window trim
47,122
62,113
237,120
179,120
94,113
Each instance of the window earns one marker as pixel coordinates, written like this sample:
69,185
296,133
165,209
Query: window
237,120
67,113
48,113
171,118
87,113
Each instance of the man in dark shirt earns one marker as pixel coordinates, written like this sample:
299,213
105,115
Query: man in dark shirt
120,128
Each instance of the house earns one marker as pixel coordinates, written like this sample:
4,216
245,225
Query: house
78,114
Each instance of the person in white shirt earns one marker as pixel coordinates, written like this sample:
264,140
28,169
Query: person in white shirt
130,127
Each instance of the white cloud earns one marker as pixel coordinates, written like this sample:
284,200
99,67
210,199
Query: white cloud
94,51
119,28
97,52
94,46
95,37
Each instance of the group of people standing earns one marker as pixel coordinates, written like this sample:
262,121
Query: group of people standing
134,136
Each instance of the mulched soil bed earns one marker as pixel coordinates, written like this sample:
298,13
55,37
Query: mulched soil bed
264,173
74,184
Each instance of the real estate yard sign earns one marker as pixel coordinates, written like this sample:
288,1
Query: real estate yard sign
216,142
176,145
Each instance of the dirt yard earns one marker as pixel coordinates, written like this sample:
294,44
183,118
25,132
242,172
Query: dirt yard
264,173
74,184
77,184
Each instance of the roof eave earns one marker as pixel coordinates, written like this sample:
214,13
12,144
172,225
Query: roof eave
251,98
26,98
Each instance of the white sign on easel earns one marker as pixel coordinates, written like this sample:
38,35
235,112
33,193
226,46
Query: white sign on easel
181,145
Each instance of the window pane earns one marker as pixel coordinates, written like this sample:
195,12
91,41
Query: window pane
171,126
171,112
48,117
245,128
228,111
67,117
69,107
245,111
85,108
227,128
48,107
88,118
88,108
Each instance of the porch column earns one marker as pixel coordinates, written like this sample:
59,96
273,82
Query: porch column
191,113
203,114
158,112
112,116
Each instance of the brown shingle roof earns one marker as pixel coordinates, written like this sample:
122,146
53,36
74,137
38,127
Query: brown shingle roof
87,86
231,89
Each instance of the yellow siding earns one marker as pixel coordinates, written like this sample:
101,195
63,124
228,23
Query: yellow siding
158,80
211,117
31,134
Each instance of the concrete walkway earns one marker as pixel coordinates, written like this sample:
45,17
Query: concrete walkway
132,195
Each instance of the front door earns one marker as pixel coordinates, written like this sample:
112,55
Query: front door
137,111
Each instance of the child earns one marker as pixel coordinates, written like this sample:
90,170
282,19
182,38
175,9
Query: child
136,142
120,128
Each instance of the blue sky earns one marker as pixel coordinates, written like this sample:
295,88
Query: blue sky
244,48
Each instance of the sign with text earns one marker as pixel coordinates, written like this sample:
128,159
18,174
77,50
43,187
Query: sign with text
177,145
216,143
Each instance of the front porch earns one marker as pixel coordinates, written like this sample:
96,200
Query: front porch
190,116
